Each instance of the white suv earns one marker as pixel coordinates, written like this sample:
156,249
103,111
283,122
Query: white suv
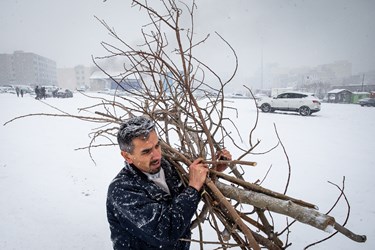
303,103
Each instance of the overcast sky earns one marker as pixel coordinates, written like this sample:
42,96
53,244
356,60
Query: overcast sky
291,33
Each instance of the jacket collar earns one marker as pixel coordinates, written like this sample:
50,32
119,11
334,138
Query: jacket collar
172,178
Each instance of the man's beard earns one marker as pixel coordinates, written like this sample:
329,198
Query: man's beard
154,171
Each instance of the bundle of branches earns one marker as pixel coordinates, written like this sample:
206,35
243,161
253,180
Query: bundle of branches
192,122
173,80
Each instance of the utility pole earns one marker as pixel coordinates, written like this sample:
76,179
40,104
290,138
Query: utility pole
261,69
363,82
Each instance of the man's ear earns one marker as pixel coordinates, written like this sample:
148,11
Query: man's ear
126,156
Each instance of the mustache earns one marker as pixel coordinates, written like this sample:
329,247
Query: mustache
154,161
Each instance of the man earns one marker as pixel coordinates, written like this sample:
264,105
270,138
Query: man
148,207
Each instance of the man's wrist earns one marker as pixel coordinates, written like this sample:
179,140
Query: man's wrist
193,187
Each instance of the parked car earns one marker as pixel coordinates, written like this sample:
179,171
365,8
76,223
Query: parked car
367,102
64,93
303,103
7,89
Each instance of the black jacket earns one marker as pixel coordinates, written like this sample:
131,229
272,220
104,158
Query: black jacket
143,216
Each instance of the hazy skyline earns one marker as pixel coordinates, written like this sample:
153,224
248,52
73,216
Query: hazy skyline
290,33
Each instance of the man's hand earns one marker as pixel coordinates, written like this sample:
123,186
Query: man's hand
223,155
197,174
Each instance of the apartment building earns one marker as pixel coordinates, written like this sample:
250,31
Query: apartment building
75,78
26,68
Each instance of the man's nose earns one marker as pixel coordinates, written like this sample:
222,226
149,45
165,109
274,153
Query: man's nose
156,153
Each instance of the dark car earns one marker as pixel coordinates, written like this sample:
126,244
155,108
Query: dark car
367,102
64,93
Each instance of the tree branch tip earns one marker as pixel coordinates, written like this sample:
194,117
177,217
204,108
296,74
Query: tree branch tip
364,238
349,234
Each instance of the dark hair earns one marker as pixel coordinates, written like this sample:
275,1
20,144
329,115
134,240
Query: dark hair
135,127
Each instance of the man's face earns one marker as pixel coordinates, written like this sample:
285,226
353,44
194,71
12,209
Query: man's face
146,155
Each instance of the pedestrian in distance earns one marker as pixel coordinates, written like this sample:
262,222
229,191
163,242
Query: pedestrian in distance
43,92
148,207
37,92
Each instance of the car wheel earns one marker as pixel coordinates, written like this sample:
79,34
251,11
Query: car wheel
304,111
265,107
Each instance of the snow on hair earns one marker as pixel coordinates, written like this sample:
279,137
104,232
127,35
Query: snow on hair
135,127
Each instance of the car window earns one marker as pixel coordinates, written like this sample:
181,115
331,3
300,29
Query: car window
294,95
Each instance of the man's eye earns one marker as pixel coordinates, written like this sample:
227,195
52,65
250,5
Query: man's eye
146,152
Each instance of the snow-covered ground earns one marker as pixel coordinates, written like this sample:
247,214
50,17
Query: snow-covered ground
53,197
